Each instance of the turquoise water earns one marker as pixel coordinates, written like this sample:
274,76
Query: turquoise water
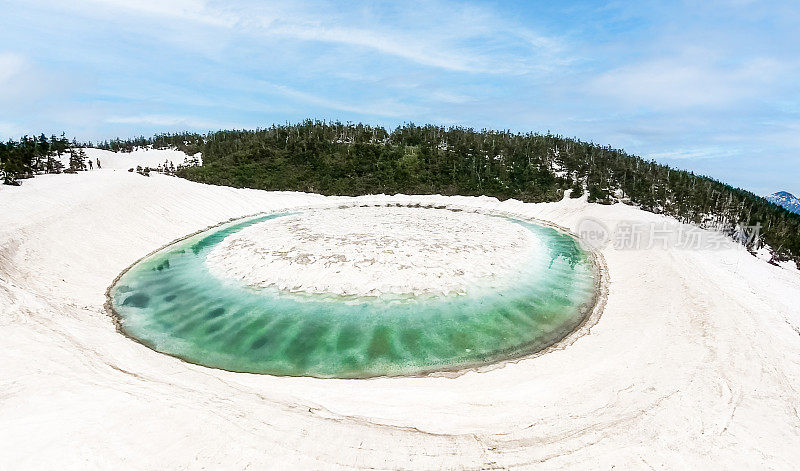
170,302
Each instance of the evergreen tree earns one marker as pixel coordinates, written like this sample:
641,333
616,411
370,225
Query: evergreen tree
76,161
29,156
82,158
42,152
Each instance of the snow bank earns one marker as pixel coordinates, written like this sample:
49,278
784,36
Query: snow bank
695,362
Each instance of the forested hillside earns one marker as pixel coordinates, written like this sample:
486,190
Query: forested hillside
187,142
29,156
353,159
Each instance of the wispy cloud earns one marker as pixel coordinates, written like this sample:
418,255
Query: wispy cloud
710,152
472,39
682,82
11,65
197,11
9,130
171,121
385,107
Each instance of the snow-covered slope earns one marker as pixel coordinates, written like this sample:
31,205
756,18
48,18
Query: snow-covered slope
786,200
125,160
694,363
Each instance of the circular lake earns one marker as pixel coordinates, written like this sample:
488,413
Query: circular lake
360,291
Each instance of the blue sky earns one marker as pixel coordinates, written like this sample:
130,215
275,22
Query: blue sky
712,86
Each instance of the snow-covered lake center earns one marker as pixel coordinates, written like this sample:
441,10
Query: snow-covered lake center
369,251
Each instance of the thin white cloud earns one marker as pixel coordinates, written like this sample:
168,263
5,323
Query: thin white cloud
450,97
470,40
711,152
23,83
11,66
783,134
9,130
187,10
172,121
478,43
405,48
686,82
388,108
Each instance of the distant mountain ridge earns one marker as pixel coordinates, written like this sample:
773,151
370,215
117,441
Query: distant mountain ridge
786,200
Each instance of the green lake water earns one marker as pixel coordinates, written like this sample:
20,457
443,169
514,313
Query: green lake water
170,302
